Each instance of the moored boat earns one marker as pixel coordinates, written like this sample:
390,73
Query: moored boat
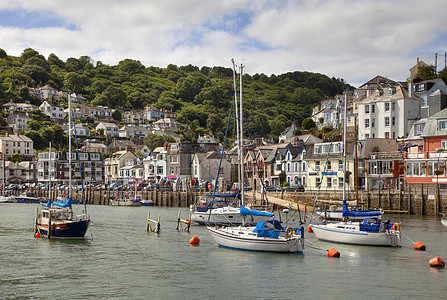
28,197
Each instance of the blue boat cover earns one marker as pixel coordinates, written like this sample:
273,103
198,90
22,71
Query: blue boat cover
269,229
64,204
347,213
46,204
251,212
232,195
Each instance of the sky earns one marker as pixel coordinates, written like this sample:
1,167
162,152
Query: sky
350,39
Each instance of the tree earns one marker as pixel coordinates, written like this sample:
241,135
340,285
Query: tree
308,123
279,124
15,157
34,125
117,115
426,72
153,141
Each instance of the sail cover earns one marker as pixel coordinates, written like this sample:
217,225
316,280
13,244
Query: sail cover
348,213
251,212
64,204
232,195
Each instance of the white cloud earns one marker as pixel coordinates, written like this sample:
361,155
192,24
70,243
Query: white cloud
350,39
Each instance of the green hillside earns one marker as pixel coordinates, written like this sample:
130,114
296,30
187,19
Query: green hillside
201,97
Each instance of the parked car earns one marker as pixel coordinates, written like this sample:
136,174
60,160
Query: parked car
273,188
294,188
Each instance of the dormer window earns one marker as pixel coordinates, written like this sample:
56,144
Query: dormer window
419,128
442,124
390,91
377,93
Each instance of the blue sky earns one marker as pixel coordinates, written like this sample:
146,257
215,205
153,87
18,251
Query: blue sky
350,39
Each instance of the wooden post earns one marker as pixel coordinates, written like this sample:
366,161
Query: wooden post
36,220
422,199
49,225
389,198
148,221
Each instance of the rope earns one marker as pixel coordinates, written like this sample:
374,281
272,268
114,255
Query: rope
408,238
111,232
316,246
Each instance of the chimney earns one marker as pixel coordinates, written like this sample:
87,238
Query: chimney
410,88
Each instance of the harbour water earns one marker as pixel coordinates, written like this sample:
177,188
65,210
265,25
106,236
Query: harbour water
120,260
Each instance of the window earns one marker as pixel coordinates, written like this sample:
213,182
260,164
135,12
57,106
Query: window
340,165
366,135
387,106
329,165
444,144
174,146
304,167
329,182
387,121
442,124
373,121
340,182
372,108
317,165
387,135
366,109
366,123
390,92
317,182
174,159
409,169
419,128
393,121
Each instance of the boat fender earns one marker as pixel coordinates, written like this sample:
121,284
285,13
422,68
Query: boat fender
37,235
309,229
289,232
395,227
436,262
419,246
194,240
333,253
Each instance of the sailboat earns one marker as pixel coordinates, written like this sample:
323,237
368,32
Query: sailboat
443,219
223,209
267,235
57,219
370,231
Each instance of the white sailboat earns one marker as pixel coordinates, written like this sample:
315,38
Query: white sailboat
57,219
267,236
223,209
371,231
443,219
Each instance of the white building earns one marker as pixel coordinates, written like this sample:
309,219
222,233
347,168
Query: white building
389,112
20,144
110,129
52,109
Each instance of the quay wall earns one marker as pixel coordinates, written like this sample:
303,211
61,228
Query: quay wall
414,199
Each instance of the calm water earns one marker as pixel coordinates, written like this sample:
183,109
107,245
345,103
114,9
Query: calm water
120,260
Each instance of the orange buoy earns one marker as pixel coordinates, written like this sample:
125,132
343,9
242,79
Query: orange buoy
194,240
309,229
37,235
419,246
186,220
436,262
333,253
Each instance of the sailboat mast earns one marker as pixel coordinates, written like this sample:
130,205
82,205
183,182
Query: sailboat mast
344,144
49,174
69,146
241,136
237,120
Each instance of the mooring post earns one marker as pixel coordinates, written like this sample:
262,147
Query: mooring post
49,224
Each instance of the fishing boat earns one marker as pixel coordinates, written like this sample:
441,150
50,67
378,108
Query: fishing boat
147,203
126,200
267,235
371,231
28,197
57,220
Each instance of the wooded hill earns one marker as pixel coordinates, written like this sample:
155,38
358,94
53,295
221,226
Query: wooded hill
201,97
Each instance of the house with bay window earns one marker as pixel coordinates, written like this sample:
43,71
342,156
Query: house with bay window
426,161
